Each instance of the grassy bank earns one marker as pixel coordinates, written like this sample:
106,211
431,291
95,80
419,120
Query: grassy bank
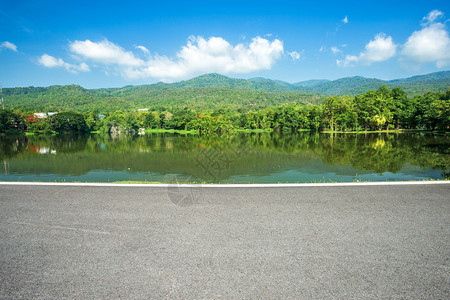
170,131
389,131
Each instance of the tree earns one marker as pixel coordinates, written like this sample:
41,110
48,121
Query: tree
68,122
314,113
365,107
8,120
118,122
385,104
400,107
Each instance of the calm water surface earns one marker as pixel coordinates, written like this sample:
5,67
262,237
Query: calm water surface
241,158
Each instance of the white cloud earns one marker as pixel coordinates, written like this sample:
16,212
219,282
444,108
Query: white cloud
52,62
8,45
345,20
431,44
335,50
322,48
380,49
294,55
432,16
143,49
198,56
212,55
105,52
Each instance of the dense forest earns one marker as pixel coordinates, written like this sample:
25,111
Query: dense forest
381,109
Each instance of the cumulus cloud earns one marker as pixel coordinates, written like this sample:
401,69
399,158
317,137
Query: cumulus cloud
198,56
105,52
52,62
345,20
380,49
8,45
294,55
211,55
431,44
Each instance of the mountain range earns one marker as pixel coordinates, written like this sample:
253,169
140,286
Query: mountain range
211,91
345,86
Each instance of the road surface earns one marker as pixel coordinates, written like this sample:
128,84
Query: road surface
280,242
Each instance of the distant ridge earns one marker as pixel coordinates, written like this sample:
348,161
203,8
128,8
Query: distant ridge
344,86
431,76
437,81
347,86
311,82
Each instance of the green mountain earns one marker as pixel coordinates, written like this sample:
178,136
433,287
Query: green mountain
72,97
427,77
221,81
210,91
268,85
433,82
347,86
310,83
212,80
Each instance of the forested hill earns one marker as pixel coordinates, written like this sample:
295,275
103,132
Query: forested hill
74,97
221,81
438,81
211,91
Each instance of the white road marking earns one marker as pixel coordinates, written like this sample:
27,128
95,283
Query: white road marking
61,227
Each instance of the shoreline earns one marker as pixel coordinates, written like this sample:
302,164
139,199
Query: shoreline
237,131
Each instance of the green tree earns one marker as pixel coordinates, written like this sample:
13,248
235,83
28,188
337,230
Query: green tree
400,107
118,122
68,122
8,120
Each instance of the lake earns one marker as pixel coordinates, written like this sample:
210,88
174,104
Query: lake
240,158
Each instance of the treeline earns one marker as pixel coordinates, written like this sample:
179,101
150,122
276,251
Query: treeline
375,110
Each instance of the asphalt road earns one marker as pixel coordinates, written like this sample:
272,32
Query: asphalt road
308,242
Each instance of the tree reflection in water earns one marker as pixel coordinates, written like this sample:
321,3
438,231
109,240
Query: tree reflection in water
214,158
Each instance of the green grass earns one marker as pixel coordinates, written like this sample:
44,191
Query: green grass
170,131
386,131
253,130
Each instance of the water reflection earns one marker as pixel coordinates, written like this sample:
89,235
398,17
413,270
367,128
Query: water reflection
237,158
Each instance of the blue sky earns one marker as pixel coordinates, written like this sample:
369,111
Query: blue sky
116,43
